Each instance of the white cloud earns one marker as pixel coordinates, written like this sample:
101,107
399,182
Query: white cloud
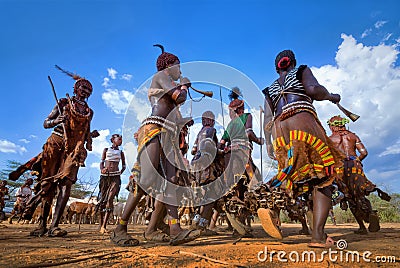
10,147
366,33
126,77
117,100
139,107
379,24
393,149
100,143
24,141
385,180
106,82
32,136
95,165
112,73
387,37
367,79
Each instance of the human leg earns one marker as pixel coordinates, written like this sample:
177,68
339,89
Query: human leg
64,188
112,192
321,205
156,218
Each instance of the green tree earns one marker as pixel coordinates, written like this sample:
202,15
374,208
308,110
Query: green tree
79,191
11,165
387,211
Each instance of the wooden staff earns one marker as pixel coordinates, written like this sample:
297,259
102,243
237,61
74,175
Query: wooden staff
261,146
58,106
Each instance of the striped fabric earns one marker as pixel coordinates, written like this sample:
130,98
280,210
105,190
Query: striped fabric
291,82
288,173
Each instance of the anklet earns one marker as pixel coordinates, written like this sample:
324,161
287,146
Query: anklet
122,222
173,221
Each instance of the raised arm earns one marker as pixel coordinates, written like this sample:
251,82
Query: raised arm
315,90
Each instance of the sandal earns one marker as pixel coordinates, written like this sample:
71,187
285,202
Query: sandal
329,242
123,240
41,231
269,223
184,236
56,232
237,225
207,232
157,236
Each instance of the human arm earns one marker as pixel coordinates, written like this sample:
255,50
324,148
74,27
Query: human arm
89,139
315,90
250,133
123,162
207,147
361,149
268,123
103,169
178,92
55,118
194,148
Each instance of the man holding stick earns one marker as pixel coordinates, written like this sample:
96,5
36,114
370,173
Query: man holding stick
63,153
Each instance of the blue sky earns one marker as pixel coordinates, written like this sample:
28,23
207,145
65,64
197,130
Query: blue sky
351,46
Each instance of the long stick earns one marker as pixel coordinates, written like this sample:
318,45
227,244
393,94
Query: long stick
222,108
210,259
58,105
261,146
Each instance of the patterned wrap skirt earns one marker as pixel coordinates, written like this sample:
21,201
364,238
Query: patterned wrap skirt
307,158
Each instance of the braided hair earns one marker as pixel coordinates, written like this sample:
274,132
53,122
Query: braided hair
165,59
284,59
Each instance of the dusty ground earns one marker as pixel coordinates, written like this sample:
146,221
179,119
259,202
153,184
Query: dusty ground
87,248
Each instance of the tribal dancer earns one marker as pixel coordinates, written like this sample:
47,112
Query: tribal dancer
207,165
237,142
110,179
355,184
23,194
307,159
156,152
63,153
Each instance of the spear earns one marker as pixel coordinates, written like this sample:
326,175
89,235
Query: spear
58,106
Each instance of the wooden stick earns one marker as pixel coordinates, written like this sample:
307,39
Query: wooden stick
70,261
210,259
